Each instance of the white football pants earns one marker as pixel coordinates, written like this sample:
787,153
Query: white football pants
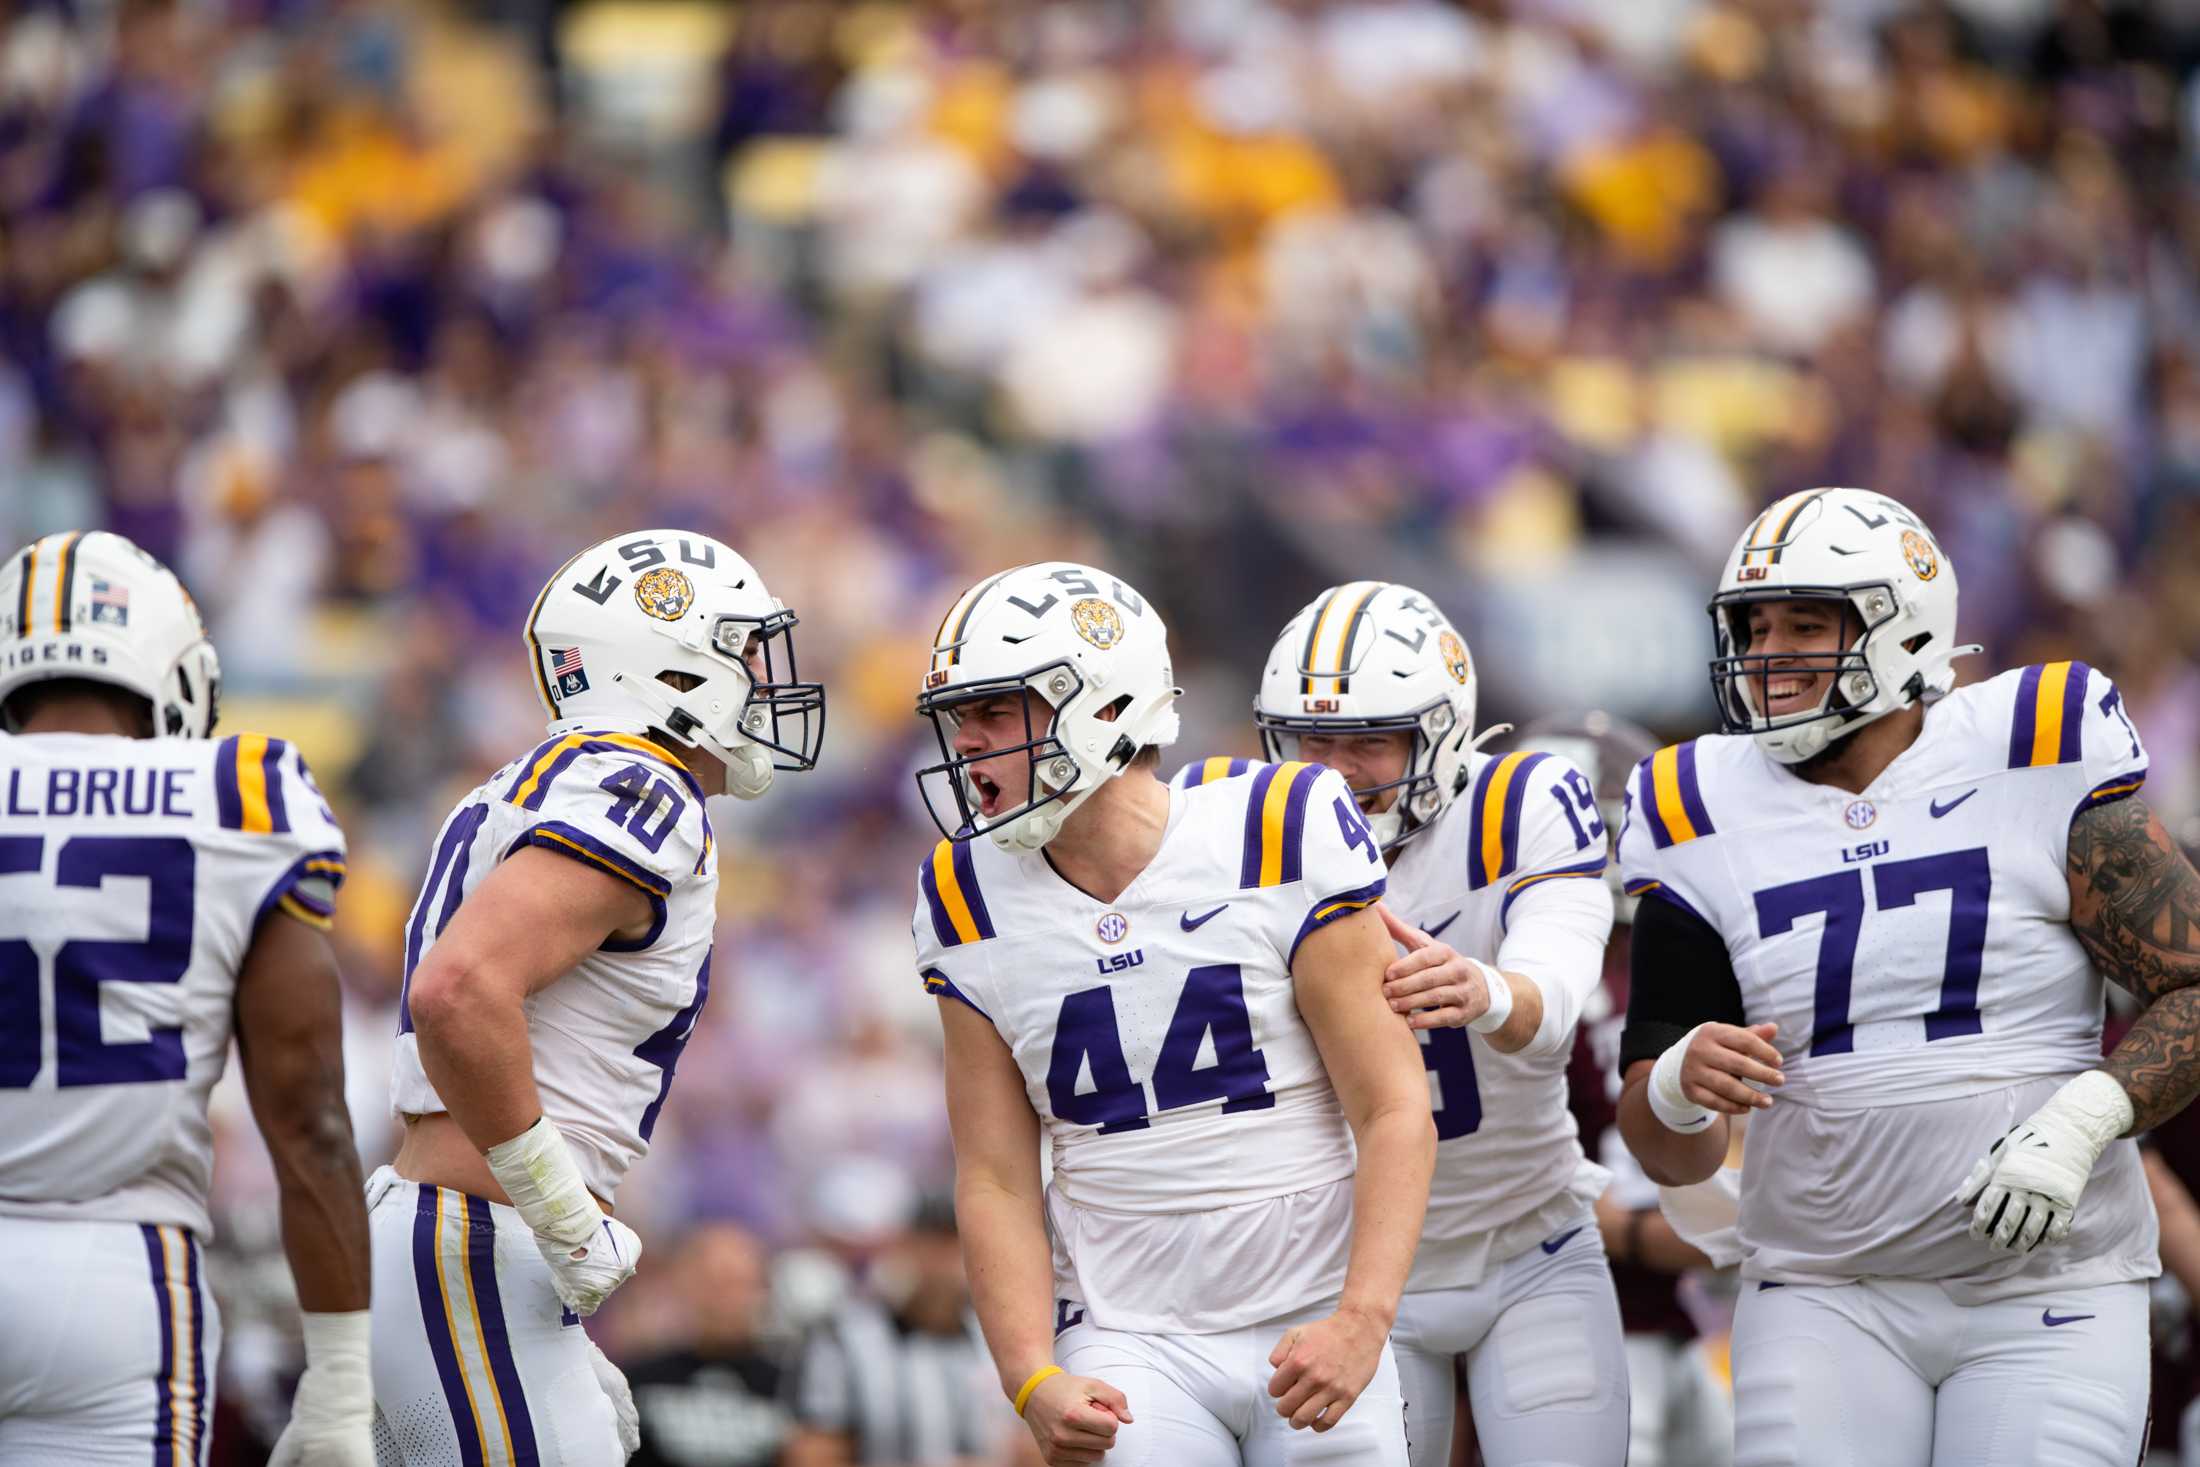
1202,1400
476,1362
108,1338
1892,1373
1545,1359
1681,1412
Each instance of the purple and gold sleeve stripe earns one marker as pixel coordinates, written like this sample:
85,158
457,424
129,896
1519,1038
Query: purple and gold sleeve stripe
1275,824
1672,797
542,768
1591,869
939,985
1493,829
248,791
949,881
454,1279
1335,908
569,840
2122,787
1651,890
2050,716
307,890
1213,770
180,1408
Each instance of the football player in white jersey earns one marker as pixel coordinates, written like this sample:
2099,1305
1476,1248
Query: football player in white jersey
1497,892
159,892
1180,992
556,961
1879,912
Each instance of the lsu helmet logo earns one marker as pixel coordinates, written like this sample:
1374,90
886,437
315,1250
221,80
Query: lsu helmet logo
665,593
1918,551
1097,622
1454,653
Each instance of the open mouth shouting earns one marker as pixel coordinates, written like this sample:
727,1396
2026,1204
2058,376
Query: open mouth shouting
988,791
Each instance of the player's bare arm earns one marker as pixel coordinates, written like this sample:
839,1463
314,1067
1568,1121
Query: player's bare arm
2135,905
1710,1071
525,927
1434,986
1001,1215
1375,1065
522,930
289,1017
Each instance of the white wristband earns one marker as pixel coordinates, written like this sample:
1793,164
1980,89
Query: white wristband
1501,1000
537,1171
1667,1102
338,1384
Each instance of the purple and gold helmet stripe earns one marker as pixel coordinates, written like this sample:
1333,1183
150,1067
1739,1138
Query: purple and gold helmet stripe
1345,607
23,591
64,581
2050,716
1672,797
1493,832
1275,824
543,686
946,643
1783,513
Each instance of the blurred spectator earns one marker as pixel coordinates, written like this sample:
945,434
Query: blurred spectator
899,1374
715,1400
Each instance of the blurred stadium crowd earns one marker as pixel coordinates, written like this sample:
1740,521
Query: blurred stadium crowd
365,313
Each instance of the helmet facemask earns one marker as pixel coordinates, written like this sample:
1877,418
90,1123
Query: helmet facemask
1855,692
753,724
1419,799
1056,780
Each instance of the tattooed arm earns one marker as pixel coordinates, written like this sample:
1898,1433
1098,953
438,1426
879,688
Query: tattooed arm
2135,905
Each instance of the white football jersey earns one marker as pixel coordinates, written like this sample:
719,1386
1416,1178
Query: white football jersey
133,873
1913,945
1512,873
608,1034
1202,1164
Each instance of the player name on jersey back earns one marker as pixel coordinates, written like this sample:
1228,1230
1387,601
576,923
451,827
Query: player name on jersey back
134,874
97,792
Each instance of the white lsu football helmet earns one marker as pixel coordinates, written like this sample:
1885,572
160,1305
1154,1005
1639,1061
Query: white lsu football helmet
90,604
618,618
1868,552
1082,642
1374,657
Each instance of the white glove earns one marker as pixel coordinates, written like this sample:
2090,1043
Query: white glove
2025,1190
332,1414
589,1253
613,1381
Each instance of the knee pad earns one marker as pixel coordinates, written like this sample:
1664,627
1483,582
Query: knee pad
1544,1355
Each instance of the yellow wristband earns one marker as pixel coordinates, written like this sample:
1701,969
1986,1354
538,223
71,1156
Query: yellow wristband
1023,1397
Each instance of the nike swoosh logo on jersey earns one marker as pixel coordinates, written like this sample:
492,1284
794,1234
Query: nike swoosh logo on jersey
1939,809
1191,923
1445,923
2049,1318
1563,1238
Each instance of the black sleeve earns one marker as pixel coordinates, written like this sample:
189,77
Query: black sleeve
1679,976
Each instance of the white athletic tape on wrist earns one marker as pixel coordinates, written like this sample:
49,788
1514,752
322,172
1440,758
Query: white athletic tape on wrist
537,1171
1501,1000
1672,1107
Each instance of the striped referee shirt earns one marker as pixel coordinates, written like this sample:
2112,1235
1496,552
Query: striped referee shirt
901,1395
